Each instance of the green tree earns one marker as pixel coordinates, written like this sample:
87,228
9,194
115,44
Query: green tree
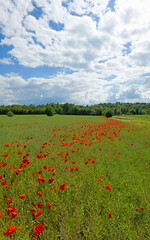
10,114
49,111
108,112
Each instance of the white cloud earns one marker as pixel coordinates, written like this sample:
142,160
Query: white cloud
7,61
91,44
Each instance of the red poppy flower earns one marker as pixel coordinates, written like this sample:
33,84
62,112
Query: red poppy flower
40,179
86,162
62,186
54,189
21,196
9,201
141,208
109,214
32,210
10,230
100,179
0,214
40,194
25,146
108,187
39,205
49,205
50,180
76,169
38,229
39,212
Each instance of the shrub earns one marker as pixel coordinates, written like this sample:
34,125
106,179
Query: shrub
49,111
10,114
108,113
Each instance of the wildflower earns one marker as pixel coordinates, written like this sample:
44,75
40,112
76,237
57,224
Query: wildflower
62,186
39,205
32,210
9,201
10,230
40,179
49,205
40,194
39,212
141,208
109,214
21,196
86,162
38,229
0,214
50,180
108,187
100,179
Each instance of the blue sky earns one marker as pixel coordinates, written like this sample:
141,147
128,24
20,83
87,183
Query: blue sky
82,52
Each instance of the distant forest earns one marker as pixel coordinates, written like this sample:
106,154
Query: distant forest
72,109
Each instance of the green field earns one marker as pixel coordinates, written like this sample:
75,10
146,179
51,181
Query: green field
104,165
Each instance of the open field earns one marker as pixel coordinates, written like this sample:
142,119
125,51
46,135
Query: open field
74,178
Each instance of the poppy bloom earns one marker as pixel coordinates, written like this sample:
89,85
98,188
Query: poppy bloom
62,186
38,229
39,205
141,208
40,194
49,205
100,179
109,214
39,212
10,230
76,169
50,180
93,161
0,214
32,210
54,189
21,196
9,201
86,162
108,187
40,179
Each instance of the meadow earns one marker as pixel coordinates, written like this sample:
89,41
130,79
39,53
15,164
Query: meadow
74,177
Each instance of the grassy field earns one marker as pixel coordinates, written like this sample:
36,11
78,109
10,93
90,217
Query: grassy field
75,178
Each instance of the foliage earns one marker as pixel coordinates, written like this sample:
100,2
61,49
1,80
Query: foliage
10,114
72,109
108,113
49,111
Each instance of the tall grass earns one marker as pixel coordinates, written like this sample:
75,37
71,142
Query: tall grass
104,164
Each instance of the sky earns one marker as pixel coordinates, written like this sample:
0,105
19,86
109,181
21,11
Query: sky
77,51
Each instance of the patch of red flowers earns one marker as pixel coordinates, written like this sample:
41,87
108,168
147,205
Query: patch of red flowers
62,186
38,229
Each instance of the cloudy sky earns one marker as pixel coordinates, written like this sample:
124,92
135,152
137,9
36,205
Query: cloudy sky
75,51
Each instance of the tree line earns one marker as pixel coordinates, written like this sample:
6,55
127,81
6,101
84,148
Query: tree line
106,109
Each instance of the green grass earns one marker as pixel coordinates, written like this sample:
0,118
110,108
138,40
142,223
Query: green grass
80,211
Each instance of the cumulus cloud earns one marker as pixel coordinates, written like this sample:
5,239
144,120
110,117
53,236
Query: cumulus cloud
89,37
6,61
